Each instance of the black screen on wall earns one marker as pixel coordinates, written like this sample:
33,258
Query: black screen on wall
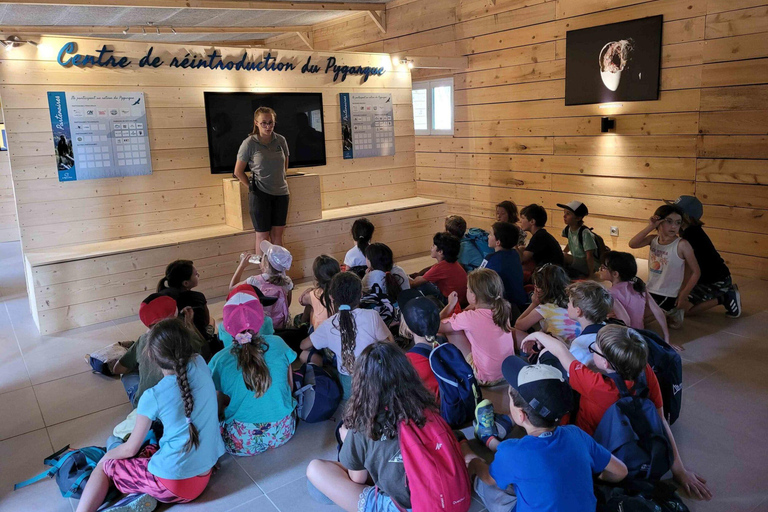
229,120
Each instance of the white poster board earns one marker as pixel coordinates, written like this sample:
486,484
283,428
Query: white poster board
367,125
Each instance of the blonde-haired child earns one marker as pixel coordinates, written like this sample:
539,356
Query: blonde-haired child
483,332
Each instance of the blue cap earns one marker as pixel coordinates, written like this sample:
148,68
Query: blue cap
690,205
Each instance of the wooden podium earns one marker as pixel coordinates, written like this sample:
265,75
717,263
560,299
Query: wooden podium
305,202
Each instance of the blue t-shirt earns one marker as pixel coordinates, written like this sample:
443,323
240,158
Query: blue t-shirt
507,265
272,406
163,402
552,472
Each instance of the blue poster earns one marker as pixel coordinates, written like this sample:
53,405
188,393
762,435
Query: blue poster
99,135
367,125
346,126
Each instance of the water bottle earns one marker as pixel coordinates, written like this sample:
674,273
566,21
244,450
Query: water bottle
254,259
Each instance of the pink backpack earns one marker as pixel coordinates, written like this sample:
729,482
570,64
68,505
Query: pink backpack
434,467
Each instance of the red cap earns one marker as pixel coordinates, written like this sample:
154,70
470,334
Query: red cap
156,308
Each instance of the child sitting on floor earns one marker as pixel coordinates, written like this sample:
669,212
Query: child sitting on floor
542,248
505,261
447,275
631,302
317,300
254,381
474,242
579,253
589,303
347,332
549,306
420,322
184,401
668,257
621,350
483,332
272,281
354,260
381,271
551,467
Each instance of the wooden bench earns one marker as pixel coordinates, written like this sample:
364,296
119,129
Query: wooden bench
90,283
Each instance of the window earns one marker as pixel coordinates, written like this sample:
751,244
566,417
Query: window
433,107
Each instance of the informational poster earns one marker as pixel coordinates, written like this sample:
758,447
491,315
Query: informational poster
367,125
99,135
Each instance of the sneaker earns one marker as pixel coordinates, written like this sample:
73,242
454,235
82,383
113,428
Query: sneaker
675,318
504,425
485,422
732,302
133,503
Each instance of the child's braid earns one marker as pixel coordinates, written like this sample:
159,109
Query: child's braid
189,404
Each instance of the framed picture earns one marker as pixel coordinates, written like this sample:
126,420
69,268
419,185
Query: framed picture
3,138
615,62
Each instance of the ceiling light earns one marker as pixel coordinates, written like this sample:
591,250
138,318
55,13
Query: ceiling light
611,105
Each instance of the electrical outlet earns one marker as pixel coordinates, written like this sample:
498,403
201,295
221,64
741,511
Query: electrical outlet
614,230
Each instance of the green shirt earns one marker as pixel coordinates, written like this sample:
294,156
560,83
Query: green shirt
149,373
578,250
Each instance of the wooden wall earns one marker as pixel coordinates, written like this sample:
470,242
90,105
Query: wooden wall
515,139
181,193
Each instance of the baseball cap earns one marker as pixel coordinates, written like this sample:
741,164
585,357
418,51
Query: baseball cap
421,314
690,205
265,300
278,256
577,207
541,385
242,312
157,307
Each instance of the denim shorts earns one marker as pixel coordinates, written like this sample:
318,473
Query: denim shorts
371,500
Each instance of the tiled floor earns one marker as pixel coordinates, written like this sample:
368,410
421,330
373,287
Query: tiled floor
49,398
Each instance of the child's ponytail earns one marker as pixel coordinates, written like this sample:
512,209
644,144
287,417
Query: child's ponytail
169,345
381,258
489,289
362,232
626,266
346,291
175,274
249,349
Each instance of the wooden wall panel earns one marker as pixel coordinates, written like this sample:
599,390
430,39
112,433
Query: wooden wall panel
181,193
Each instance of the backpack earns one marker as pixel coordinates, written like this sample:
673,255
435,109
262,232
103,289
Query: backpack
459,391
478,239
71,469
602,249
434,467
639,496
632,430
668,367
377,300
103,360
317,392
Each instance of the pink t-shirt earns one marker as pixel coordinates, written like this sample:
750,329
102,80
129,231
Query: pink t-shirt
632,301
490,344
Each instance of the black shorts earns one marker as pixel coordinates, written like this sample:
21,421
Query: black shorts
267,211
664,302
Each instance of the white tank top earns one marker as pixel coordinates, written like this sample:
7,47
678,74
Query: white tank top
665,268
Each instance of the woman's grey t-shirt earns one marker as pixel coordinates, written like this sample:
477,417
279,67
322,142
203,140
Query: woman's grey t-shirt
267,163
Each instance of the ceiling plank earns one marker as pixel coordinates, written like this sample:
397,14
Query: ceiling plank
211,4
150,30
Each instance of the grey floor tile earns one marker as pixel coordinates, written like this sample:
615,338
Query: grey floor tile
293,496
72,397
20,413
90,430
260,504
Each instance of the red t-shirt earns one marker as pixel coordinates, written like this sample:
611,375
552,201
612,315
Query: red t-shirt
598,393
449,277
421,364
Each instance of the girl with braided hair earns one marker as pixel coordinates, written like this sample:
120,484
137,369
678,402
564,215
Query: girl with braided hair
348,331
178,469
254,380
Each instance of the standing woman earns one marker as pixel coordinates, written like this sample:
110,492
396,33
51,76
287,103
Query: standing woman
266,154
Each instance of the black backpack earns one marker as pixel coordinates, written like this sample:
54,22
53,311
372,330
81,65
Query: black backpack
638,496
668,367
602,249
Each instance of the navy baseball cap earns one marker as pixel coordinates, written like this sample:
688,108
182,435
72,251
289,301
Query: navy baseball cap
420,313
541,385
690,205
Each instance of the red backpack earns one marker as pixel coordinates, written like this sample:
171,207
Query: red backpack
434,467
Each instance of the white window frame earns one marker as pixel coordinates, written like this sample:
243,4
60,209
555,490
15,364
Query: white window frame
429,86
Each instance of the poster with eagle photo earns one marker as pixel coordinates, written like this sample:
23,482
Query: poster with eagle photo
616,62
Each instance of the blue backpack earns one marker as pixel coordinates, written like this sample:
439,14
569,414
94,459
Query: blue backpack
632,430
472,256
668,367
71,469
317,392
459,391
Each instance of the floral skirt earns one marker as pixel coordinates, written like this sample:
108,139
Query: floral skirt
251,438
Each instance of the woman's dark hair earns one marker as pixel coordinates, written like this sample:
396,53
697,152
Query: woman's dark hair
175,274
324,268
380,256
169,344
626,265
506,233
448,244
250,360
536,213
346,290
511,209
666,210
362,232
552,280
386,390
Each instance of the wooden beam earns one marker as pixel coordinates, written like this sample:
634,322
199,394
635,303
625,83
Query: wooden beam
150,30
210,4
455,63
379,19
308,38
